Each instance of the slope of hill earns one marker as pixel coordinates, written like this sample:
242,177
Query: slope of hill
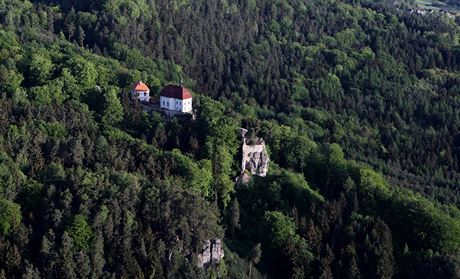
91,186
366,73
449,5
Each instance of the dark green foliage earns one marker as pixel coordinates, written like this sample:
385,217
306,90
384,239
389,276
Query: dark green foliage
93,187
234,215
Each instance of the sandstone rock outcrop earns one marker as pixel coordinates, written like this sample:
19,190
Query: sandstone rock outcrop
212,253
255,158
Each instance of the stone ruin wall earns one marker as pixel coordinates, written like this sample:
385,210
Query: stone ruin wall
255,158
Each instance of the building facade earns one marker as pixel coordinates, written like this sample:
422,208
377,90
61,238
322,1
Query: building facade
176,98
140,91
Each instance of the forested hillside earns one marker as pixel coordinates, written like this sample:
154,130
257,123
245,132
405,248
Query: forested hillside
365,73
357,102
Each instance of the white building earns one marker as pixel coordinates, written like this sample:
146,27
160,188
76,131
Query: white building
140,91
176,98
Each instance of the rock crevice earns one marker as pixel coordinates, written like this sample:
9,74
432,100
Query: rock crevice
211,254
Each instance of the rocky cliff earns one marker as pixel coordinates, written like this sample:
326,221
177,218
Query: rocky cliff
255,158
211,254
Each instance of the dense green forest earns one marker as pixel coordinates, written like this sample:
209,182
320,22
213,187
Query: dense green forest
450,5
357,100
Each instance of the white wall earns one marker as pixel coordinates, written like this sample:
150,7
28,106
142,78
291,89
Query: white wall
140,95
167,103
176,104
186,105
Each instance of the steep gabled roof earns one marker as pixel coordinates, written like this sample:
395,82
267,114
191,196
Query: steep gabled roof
176,92
140,86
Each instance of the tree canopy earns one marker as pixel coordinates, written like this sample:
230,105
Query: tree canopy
357,102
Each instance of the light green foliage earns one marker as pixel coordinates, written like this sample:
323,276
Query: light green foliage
13,10
274,135
221,129
10,216
84,71
197,175
132,9
331,88
327,166
8,44
367,54
41,95
127,181
81,233
222,167
373,183
18,133
283,237
10,80
420,222
221,144
297,149
282,228
48,93
424,223
117,134
333,154
70,85
296,188
300,74
203,178
346,38
54,130
113,110
40,68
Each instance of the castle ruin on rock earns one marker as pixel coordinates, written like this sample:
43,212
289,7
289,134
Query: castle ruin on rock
254,156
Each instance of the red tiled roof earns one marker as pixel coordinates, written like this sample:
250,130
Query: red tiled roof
176,92
140,86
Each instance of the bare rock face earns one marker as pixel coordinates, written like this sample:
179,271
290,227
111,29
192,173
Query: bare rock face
243,178
212,253
255,157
